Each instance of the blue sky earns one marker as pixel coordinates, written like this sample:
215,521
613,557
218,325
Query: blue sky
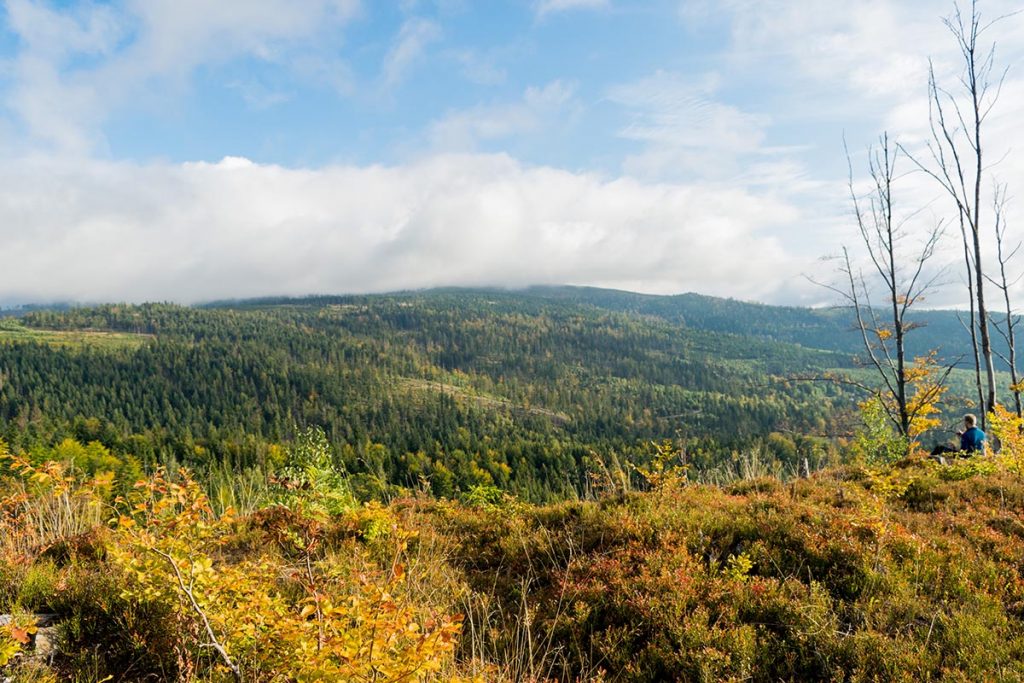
186,150
368,83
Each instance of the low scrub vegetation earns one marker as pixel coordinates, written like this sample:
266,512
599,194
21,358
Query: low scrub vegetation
13,332
909,571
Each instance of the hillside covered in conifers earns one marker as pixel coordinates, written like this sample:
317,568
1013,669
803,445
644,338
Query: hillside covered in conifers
529,391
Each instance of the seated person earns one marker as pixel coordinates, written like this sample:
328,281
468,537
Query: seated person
972,439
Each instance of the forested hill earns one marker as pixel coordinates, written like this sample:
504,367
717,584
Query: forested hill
829,329
819,328
532,391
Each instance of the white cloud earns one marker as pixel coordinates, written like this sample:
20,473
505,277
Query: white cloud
545,7
876,49
683,129
94,30
92,230
413,39
539,109
479,68
874,46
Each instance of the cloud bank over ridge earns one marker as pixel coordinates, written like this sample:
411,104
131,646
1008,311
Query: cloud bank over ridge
193,232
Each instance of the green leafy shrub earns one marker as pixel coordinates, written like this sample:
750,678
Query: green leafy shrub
309,481
876,442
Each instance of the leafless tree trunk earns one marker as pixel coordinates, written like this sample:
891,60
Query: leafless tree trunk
1008,330
957,155
972,327
902,278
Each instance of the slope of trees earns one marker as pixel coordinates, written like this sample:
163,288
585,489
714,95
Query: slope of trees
455,389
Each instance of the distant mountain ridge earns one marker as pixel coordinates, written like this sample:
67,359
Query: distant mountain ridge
827,329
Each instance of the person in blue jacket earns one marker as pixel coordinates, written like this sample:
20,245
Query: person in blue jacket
972,439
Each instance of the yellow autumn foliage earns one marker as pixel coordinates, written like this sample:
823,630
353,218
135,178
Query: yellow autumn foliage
266,616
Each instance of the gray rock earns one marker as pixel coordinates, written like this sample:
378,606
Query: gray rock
41,619
46,643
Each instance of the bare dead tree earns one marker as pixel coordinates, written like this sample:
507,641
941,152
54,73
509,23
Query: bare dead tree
898,271
1007,328
957,160
971,326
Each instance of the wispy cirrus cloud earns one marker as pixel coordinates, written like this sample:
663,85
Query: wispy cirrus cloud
540,109
75,67
683,129
409,46
479,68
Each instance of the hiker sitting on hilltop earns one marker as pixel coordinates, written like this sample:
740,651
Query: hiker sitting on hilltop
972,439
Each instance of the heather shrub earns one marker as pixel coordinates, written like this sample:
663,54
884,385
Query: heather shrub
104,633
38,586
156,585
860,576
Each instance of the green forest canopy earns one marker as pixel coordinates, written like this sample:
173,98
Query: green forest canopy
530,391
